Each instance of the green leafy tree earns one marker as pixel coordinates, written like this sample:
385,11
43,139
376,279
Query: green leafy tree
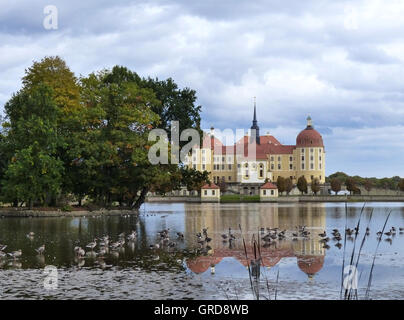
302,184
34,172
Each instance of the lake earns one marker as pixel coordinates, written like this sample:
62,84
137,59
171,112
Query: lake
295,267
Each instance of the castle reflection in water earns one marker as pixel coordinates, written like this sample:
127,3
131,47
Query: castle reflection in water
252,217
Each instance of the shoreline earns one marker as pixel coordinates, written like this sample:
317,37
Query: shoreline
286,199
23,213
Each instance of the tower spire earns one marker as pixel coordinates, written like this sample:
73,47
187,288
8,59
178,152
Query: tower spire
255,130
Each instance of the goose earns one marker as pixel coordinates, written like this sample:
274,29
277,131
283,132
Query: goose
388,233
180,235
132,236
207,239
205,231
323,235
326,246
154,246
379,234
41,249
92,245
401,229
3,247
324,240
15,254
2,254
79,251
338,245
338,238
224,236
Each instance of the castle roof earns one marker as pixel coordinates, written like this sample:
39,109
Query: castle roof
268,185
210,186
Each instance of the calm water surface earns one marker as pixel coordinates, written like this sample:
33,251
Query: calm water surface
304,269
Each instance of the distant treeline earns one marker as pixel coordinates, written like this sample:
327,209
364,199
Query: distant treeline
393,183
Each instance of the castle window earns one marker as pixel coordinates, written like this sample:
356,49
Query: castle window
203,151
311,158
205,192
290,166
272,166
213,192
311,166
311,150
194,166
203,167
290,159
279,166
229,178
279,158
222,159
261,173
265,192
302,158
222,166
320,166
302,150
229,166
319,158
238,166
302,166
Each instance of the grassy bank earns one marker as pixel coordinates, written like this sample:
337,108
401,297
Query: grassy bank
234,198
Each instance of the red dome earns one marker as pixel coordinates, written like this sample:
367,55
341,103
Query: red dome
310,264
309,137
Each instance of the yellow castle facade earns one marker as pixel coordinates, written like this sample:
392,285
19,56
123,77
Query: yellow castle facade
253,159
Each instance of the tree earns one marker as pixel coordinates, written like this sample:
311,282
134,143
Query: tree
34,172
336,185
54,73
401,185
111,149
222,186
193,179
368,185
280,183
288,185
350,185
302,184
315,186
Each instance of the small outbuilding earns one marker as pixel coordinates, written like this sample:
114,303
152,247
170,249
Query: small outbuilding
210,193
268,192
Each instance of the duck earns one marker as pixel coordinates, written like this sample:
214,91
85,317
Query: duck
323,235
180,235
3,247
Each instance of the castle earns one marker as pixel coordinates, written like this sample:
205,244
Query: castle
245,171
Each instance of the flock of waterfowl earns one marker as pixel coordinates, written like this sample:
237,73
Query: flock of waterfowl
271,236
99,247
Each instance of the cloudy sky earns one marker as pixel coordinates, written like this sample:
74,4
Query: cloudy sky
341,62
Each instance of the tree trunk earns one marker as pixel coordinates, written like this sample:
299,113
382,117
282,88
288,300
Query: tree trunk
141,199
